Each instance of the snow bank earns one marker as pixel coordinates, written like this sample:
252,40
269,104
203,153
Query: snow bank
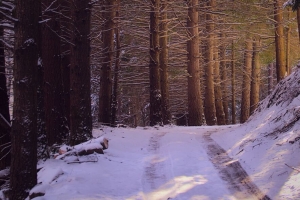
268,144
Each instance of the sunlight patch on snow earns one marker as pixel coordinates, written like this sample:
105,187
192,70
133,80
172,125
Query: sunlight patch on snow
176,186
291,188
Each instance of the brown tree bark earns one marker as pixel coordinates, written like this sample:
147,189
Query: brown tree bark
209,101
164,79
55,119
233,98
105,93
245,104
5,141
155,90
255,77
80,100
66,30
279,40
23,172
195,105
218,91
288,45
270,78
114,98
224,77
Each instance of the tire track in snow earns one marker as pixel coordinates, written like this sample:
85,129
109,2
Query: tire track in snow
154,175
231,171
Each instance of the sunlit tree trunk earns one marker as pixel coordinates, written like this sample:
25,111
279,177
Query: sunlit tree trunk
209,101
245,104
255,77
23,171
288,45
233,103
218,91
279,40
195,106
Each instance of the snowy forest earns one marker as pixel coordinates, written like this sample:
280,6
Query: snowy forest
105,84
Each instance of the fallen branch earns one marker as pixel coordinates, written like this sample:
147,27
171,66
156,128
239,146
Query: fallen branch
293,167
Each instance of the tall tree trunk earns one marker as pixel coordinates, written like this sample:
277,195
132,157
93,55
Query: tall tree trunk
195,105
23,172
66,30
218,91
288,45
155,90
80,100
255,77
209,102
55,120
233,104
105,92
298,21
279,40
5,141
164,80
114,105
270,77
224,79
245,104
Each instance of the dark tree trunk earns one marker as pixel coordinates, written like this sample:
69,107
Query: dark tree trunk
4,112
66,30
164,79
114,105
23,173
155,91
80,100
105,93
55,120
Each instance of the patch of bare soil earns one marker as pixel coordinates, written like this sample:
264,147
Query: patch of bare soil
231,172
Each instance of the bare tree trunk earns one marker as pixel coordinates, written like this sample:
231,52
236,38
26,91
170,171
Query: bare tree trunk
270,78
218,91
298,21
195,106
233,104
245,104
23,171
114,105
80,100
155,90
279,40
66,30
164,80
209,102
105,93
5,141
288,45
255,78
224,80
55,120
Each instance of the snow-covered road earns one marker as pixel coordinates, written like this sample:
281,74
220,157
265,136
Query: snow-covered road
147,163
